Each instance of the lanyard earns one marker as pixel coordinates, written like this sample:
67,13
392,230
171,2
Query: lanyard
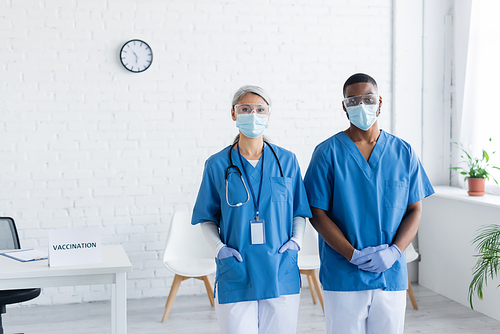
256,200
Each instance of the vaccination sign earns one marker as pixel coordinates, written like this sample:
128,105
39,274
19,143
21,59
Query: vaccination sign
68,247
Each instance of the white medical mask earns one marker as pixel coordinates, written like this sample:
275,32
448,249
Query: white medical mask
252,125
363,115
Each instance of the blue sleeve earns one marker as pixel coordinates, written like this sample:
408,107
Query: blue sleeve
319,181
420,185
300,203
207,206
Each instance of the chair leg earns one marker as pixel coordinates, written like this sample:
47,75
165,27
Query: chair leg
209,287
317,287
171,296
2,310
311,286
412,296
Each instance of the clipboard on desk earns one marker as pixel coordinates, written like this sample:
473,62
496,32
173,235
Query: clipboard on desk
26,255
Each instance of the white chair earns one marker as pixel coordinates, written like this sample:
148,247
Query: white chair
411,255
309,261
187,255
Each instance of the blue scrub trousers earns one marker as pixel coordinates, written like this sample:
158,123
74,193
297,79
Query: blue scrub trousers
365,312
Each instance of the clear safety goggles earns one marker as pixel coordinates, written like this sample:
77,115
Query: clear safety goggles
368,99
248,108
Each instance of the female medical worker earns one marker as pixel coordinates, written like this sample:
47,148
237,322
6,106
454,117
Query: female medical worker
251,206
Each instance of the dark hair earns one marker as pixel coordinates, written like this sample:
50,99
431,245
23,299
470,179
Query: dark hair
357,78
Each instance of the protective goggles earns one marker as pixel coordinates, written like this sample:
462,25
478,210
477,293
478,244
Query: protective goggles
248,108
368,99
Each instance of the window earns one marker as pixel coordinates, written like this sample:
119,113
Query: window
480,116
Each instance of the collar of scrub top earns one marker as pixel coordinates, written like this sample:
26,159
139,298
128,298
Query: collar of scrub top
370,166
238,170
256,200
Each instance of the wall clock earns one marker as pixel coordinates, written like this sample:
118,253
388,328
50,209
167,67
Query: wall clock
136,56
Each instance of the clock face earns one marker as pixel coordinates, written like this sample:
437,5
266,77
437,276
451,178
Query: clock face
136,56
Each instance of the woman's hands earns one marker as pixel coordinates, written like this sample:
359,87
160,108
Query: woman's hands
228,252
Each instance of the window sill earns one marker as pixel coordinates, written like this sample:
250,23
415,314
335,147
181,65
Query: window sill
461,195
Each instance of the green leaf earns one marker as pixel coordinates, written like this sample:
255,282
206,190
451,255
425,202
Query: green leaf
476,167
487,242
486,156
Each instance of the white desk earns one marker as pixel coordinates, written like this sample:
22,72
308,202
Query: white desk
112,270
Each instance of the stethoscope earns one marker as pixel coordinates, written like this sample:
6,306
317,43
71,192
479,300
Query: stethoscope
237,169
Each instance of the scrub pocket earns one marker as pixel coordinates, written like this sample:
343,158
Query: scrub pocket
231,274
288,263
281,189
396,194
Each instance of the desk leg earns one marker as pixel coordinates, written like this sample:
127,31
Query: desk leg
119,305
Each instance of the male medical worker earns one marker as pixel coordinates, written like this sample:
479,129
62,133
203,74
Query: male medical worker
365,188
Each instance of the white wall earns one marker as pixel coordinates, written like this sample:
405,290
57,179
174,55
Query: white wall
447,254
83,142
407,72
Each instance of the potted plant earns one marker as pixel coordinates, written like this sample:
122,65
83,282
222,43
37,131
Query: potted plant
477,170
488,260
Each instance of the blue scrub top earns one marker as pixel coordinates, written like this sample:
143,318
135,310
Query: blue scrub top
367,201
264,273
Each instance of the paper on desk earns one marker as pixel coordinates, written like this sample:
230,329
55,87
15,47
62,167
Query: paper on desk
26,255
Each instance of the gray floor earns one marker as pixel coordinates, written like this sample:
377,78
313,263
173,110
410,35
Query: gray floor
192,314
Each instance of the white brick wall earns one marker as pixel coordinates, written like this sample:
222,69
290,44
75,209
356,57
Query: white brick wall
83,142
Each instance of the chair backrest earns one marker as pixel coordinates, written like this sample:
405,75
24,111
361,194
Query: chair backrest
186,241
310,241
411,253
8,234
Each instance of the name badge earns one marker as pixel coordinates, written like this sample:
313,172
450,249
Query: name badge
257,232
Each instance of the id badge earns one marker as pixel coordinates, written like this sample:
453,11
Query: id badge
257,231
